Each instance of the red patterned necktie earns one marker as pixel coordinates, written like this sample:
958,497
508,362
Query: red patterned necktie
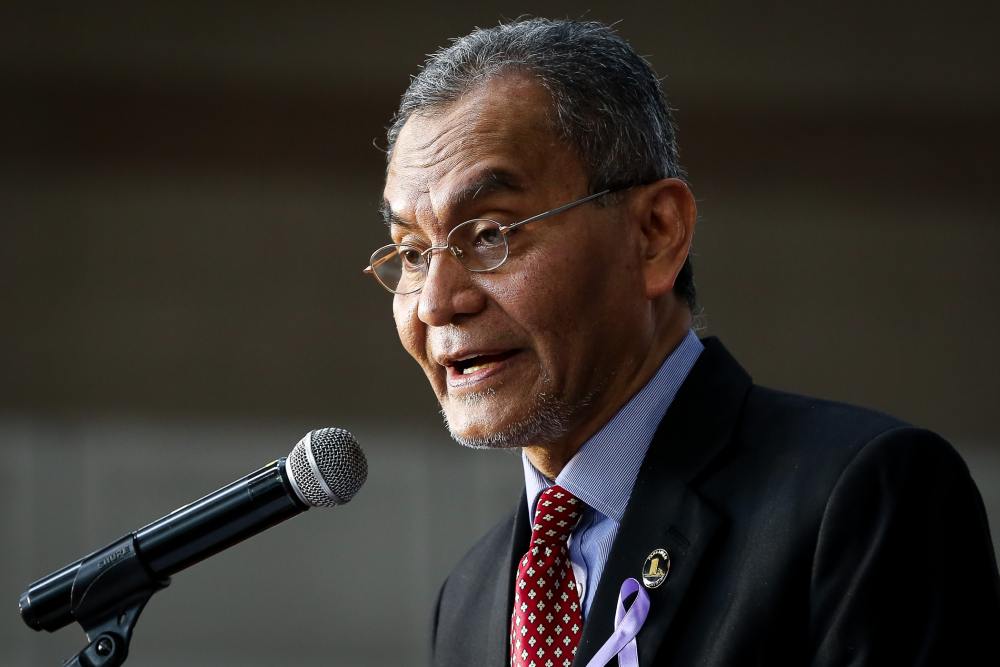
548,619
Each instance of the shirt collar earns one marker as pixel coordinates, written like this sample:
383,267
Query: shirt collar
603,471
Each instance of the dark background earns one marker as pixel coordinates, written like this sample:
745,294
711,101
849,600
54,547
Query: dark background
188,193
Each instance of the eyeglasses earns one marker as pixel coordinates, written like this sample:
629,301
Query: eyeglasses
480,245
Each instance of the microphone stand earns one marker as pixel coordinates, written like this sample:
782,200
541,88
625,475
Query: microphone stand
110,589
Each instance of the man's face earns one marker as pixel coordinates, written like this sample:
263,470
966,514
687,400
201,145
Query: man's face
516,356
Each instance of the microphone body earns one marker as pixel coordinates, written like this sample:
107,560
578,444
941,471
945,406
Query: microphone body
174,542
219,520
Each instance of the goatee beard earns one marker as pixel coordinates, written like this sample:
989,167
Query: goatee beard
547,421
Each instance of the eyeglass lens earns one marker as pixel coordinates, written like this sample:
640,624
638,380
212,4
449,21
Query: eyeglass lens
480,245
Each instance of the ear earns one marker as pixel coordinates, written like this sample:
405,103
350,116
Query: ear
666,213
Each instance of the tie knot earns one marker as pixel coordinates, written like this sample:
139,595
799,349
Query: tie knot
556,515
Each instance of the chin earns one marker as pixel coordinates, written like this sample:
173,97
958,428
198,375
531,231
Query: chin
476,421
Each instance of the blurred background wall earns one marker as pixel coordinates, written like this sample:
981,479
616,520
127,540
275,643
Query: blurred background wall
187,196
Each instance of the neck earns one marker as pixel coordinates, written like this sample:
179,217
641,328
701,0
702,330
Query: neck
549,459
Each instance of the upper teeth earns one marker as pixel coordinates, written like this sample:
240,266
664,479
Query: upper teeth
472,369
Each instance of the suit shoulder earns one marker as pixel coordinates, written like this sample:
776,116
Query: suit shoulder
916,450
824,438
815,424
807,410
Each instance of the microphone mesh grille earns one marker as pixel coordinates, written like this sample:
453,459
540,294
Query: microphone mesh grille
339,461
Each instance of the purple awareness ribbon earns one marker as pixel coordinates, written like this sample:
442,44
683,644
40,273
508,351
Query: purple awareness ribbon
627,626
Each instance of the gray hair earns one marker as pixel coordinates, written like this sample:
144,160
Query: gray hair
606,100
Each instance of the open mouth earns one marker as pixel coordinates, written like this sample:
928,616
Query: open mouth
480,362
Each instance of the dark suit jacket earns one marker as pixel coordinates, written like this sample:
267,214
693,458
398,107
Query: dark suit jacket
802,532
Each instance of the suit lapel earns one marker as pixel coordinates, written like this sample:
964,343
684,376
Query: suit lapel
664,510
496,653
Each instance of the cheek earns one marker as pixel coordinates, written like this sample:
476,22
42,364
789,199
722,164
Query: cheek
408,326
580,296
545,300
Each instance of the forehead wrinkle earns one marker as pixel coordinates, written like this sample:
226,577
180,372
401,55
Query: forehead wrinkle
448,157
453,141
489,181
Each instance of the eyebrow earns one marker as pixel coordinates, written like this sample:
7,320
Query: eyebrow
491,182
389,217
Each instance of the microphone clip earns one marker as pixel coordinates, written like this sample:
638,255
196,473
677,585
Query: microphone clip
110,589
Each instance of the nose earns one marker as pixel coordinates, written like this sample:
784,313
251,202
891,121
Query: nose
449,291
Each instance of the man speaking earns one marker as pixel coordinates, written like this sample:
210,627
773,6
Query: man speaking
674,512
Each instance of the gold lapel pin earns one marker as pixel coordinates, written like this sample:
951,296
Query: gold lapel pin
656,568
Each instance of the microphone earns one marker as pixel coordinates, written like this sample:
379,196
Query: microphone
326,468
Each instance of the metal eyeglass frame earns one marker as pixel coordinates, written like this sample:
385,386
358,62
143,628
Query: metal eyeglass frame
503,229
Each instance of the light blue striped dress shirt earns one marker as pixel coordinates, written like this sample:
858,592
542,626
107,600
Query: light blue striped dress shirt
602,473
